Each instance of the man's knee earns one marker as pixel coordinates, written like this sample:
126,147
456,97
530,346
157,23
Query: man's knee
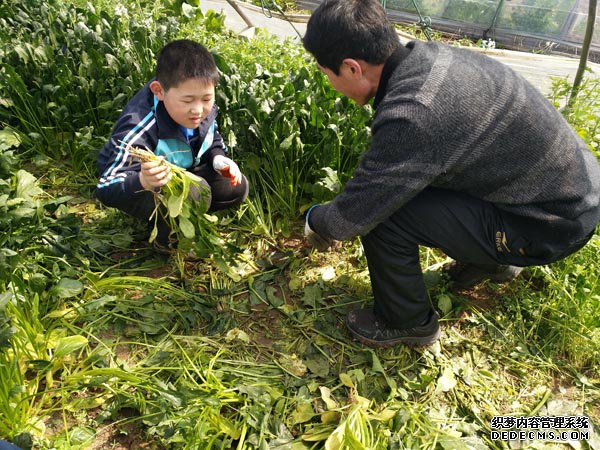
388,237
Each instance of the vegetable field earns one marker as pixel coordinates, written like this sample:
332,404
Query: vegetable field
104,345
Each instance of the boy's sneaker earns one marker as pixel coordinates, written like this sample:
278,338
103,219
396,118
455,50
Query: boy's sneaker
364,325
466,275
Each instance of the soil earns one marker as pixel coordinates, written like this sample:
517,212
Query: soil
261,325
483,296
124,436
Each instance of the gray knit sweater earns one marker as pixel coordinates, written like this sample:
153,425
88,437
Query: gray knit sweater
458,120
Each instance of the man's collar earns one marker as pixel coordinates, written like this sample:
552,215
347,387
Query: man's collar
392,62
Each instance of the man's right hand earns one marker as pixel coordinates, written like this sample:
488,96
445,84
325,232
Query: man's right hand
312,237
154,174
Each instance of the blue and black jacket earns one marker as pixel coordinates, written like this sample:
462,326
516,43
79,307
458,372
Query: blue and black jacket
145,123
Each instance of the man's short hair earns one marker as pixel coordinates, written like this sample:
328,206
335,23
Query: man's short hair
357,29
182,60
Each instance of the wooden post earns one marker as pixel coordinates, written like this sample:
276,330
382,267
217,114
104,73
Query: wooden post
244,17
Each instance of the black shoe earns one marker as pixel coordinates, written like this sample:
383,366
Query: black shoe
466,275
364,325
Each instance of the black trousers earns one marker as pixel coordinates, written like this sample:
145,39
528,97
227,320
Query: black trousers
222,196
466,229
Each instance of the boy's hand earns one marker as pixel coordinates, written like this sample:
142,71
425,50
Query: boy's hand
154,174
227,168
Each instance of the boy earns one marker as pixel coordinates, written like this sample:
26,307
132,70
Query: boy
466,156
173,115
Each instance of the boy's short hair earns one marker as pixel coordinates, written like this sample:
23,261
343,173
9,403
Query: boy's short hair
182,60
357,29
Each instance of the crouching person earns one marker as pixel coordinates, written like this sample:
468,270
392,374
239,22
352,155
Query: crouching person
466,156
173,115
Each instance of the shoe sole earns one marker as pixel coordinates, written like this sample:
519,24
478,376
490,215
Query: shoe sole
408,341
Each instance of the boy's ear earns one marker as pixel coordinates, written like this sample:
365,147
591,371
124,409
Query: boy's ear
157,90
352,67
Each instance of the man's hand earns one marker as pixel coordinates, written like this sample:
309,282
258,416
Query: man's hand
313,238
154,174
227,168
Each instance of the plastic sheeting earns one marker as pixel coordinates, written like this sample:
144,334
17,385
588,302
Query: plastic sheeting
562,20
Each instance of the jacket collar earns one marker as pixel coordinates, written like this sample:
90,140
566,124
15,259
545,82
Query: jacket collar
167,127
392,62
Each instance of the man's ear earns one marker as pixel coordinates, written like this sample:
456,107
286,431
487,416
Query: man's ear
157,90
352,67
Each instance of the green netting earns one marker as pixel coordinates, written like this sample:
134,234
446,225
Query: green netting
554,19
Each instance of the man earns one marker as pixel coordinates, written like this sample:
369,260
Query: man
466,156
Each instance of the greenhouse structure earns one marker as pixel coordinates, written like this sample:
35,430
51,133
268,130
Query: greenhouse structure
545,26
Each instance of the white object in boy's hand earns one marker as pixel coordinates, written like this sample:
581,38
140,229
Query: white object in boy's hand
227,168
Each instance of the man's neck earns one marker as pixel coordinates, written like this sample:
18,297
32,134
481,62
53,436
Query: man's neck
373,76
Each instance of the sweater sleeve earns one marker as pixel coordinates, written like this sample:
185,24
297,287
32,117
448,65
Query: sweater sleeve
400,163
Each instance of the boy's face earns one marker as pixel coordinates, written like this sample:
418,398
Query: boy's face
189,102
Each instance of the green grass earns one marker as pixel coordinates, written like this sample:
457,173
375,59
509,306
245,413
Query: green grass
103,345
583,116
